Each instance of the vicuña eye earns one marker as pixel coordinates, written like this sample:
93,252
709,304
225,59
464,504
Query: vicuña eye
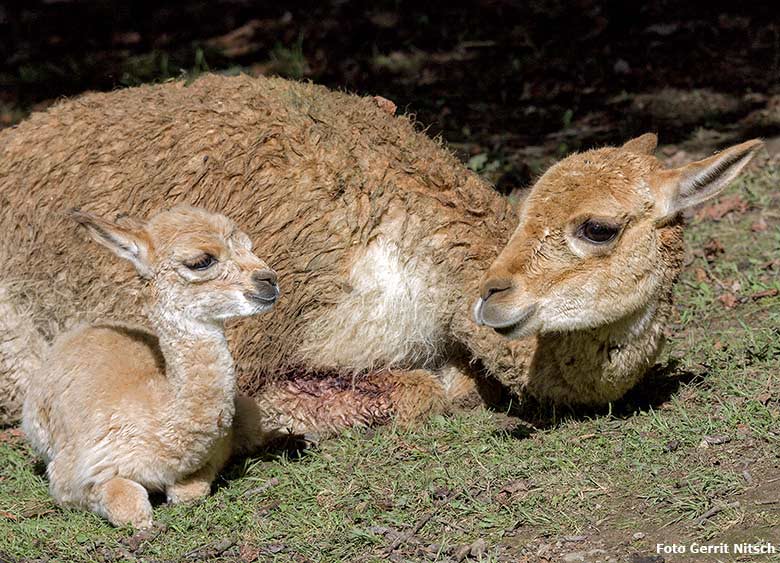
203,263
597,232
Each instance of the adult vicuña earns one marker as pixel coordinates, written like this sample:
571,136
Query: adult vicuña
590,269
381,235
117,410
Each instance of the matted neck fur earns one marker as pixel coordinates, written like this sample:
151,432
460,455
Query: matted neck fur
591,265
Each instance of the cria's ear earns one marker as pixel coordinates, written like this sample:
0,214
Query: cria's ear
694,183
644,144
126,241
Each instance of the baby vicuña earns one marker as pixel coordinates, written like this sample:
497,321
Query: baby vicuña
118,410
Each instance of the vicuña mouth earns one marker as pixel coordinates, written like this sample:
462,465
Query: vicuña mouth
514,327
262,299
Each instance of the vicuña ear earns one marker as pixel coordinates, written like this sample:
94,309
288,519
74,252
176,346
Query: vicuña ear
698,181
644,144
130,243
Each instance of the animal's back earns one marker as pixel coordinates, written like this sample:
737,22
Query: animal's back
329,184
93,378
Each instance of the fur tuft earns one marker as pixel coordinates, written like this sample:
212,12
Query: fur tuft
390,317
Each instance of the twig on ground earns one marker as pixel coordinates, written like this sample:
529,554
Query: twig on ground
402,538
210,550
424,519
715,510
262,488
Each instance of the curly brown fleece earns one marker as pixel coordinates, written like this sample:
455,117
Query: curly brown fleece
314,176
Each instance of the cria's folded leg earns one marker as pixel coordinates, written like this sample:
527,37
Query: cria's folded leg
191,488
508,361
417,394
122,501
198,484
466,388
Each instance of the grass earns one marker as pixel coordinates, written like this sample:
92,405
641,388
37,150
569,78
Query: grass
701,437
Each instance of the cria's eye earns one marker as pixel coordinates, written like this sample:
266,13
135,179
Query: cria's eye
203,263
597,232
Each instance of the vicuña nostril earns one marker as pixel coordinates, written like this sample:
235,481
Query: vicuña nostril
495,285
265,284
267,276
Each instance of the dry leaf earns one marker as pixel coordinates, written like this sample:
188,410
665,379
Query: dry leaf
771,265
729,300
715,440
385,105
248,553
12,435
712,249
759,226
726,205
513,488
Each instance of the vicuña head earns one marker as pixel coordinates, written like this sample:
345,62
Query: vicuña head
199,264
598,237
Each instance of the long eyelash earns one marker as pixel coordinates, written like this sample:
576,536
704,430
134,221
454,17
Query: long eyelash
203,263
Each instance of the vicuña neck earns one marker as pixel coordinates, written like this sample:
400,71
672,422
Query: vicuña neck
199,367
601,364
193,350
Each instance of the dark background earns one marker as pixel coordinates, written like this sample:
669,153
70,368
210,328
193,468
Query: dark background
514,81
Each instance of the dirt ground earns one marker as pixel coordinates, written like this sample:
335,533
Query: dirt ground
693,455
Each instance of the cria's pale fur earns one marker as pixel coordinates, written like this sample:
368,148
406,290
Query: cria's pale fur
116,410
336,188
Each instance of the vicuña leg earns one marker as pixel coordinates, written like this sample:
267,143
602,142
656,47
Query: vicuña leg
122,501
330,404
198,484
192,487
507,360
